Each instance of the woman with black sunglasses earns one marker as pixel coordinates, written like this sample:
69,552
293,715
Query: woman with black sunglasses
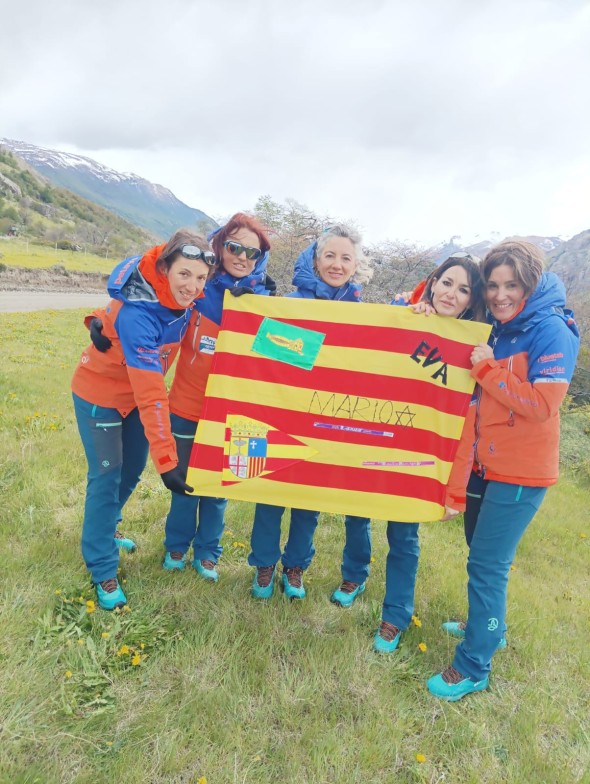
120,398
241,247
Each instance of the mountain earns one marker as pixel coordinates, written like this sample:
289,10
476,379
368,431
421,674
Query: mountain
479,247
32,207
571,261
138,201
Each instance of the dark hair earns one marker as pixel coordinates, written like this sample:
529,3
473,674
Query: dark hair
526,259
476,310
172,249
239,221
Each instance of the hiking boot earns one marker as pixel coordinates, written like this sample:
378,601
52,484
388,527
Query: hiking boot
263,585
457,629
124,543
174,561
345,595
110,594
292,582
207,569
451,686
387,638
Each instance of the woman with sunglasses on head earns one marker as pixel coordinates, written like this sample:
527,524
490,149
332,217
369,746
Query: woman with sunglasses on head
120,399
453,290
522,378
242,249
332,268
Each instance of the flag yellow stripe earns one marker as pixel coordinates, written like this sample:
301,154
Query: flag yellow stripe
387,364
361,314
361,504
306,401
332,453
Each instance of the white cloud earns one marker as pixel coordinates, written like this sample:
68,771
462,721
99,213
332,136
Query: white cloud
417,120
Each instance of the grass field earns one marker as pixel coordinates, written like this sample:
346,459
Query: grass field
200,683
20,253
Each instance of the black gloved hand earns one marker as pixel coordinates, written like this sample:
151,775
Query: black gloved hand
237,291
100,341
174,480
270,285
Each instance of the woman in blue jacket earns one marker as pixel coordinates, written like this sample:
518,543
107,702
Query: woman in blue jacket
332,268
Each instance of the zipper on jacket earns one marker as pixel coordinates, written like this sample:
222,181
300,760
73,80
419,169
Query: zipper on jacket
510,412
480,469
197,325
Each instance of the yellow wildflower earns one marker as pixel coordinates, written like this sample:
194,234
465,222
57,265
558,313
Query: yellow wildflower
57,592
420,758
417,622
202,780
109,742
583,536
422,647
142,645
105,635
136,660
90,608
123,650
80,641
68,673
513,568
126,608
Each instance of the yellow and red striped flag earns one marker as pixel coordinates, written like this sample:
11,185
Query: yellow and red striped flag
339,407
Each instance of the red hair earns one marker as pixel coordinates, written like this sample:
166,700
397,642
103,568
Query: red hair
240,221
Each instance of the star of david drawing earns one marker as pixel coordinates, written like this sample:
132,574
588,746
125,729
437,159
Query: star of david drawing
405,418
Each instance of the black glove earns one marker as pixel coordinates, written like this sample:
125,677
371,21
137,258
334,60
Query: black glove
237,291
100,341
270,285
174,480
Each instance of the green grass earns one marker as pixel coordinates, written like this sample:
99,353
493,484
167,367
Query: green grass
238,691
20,253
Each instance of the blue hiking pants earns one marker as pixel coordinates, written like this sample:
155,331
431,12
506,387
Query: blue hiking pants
505,513
400,573
266,537
116,451
356,555
182,527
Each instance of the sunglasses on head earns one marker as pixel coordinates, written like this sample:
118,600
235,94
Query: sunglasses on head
462,254
192,252
236,249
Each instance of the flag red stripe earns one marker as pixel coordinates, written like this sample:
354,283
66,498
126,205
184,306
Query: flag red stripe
396,339
300,425
357,384
339,477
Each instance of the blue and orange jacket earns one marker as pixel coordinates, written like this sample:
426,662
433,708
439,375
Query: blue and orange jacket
515,432
197,348
309,286
145,335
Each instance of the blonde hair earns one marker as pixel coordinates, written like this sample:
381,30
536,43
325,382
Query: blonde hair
364,269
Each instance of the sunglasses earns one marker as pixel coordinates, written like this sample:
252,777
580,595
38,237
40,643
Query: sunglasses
236,249
462,254
192,252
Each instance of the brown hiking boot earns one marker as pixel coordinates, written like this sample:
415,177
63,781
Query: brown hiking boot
451,675
263,585
124,542
387,638
292,582
346,593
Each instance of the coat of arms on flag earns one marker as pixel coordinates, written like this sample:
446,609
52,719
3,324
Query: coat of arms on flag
334,406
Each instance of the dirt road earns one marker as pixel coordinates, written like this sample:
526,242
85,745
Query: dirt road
27,300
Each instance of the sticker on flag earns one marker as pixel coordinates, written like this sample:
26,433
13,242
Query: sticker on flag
339,407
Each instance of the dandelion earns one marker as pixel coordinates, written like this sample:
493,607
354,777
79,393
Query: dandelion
513,568
90,607
80,641
420,758
372,559
239,545
105,635
123,650
126,608
136,659
422,647
142,645
202,780
583,536
417,622
68,673
109,743
57,592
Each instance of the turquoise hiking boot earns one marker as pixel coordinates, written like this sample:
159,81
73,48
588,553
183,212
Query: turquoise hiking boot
124,543
457,629
264,582
387,638
174,561
345,595
451,686
110,594
207,570
292,582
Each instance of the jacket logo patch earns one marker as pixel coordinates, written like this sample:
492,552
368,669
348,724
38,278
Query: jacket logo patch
207,344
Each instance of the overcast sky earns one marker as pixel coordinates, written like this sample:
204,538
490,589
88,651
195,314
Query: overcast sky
417,119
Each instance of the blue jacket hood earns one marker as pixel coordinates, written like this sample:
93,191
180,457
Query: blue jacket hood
309,286
127,284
